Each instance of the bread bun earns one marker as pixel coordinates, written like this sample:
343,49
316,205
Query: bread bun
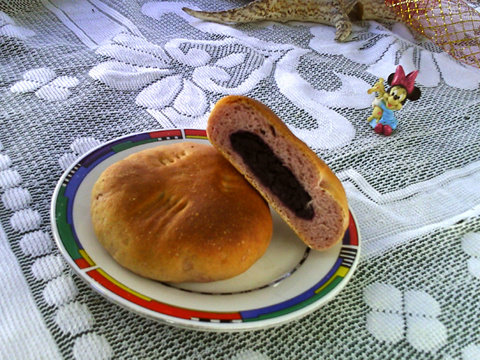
180,213
289,175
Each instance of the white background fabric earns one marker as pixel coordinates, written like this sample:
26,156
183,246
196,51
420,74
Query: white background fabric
75,74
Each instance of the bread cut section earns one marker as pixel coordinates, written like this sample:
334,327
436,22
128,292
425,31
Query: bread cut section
288,174
179,213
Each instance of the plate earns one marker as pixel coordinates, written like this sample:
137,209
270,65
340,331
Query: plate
288,282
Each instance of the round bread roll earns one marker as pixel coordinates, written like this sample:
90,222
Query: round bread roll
290,176
180,213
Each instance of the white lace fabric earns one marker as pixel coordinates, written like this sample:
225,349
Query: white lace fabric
75,74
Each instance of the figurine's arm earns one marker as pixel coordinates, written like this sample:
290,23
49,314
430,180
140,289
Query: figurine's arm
376,114
378,87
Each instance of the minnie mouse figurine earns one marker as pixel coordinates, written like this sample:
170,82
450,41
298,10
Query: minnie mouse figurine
383,120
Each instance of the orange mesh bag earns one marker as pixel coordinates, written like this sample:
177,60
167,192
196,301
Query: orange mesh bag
451,24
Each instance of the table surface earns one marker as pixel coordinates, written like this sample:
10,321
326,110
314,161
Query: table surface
76,74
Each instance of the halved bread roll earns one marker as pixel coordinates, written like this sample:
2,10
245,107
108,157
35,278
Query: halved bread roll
288,174
180,213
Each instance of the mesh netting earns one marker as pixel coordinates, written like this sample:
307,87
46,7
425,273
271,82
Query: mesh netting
453,25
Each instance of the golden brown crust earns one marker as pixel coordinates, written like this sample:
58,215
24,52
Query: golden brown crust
180,213
251,115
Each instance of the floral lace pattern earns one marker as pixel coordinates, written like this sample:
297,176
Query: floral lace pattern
471,246
175,80
416,311
378,48
45,84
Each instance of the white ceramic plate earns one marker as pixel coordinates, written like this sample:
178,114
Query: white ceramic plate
288,282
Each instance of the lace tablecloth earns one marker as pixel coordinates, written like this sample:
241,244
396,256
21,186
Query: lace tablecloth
75,74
